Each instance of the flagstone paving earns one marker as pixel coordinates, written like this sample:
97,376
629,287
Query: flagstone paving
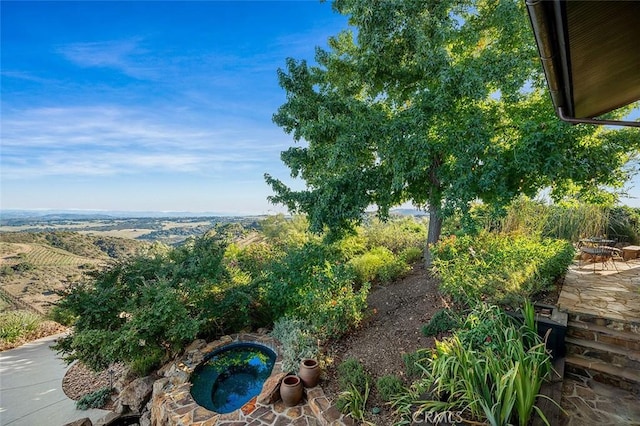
589,402
609,293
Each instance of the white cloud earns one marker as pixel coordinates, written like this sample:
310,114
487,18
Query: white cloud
126,56
108,140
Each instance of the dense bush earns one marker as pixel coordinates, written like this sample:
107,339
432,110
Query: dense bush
355,384
624,224
351,373
397,234
499,268
442,321
313,284
144,310
257,258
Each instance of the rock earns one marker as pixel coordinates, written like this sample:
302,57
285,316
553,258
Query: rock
271,389
135,395
81,422
196,345
195,357
162,371
178,373
159,386
107,419
124,376
145,419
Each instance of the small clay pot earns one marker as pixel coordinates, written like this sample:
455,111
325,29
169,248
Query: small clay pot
309,373
291,390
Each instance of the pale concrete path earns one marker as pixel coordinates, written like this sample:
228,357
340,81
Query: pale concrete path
31,388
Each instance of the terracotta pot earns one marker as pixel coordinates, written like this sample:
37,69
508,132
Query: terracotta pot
291,390
309,373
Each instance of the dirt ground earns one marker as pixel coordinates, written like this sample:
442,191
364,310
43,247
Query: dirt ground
397,313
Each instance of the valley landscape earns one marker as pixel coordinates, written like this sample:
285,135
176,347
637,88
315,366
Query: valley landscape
42,254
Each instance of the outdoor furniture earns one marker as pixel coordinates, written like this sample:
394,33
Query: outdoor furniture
602,253
630,252
596,242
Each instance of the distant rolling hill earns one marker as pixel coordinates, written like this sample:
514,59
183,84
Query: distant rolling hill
35,265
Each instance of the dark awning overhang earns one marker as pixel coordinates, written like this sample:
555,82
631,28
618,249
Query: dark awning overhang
590,51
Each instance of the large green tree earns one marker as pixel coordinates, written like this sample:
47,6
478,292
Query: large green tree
436,102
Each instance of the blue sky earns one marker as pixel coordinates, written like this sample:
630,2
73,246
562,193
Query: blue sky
149,105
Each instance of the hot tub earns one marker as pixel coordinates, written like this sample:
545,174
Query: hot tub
230,376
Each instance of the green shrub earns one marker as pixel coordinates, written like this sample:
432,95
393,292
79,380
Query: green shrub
351,373
497,268
95,399
411,255
297,341
378,264
6,271
62,316
153,302
147,362
352,245
311,284
355,384
256,258
624,224
442,321
389,386
16,324
24,267
414,362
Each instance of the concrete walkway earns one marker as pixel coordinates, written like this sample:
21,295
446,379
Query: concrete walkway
31,388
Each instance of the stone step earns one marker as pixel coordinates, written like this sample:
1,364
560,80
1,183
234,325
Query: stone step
603,334
624,378
631,327
616,355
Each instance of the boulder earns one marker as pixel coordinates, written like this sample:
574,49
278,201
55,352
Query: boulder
135,395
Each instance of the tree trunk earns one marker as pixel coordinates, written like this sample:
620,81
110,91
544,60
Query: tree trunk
435,228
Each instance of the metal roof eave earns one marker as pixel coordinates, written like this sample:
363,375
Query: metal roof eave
549,23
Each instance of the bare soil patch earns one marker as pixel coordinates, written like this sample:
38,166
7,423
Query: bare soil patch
397,313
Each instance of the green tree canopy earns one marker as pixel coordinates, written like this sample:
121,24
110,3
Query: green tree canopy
436,102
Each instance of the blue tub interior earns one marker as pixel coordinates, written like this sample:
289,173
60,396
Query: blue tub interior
230,376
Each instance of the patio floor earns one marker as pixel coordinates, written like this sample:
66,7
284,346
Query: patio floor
612,292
